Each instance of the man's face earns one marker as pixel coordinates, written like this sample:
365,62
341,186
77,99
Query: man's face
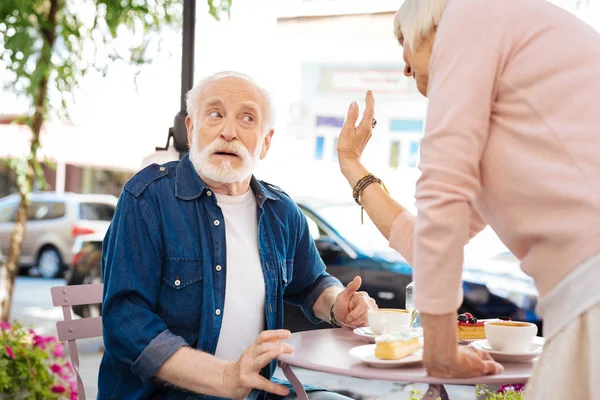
227,133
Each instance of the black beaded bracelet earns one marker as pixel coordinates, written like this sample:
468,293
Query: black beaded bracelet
361,186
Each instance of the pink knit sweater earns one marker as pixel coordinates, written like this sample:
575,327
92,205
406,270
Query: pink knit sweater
512,135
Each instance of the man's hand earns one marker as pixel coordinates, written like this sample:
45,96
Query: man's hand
467,362
351,306
244,375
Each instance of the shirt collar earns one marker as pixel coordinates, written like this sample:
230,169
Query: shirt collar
189,186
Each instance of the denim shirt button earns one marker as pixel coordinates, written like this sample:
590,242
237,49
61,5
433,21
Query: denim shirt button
177,282
218,312
209,193
218,268
217,222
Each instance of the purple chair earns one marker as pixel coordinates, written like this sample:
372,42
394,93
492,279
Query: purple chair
71,329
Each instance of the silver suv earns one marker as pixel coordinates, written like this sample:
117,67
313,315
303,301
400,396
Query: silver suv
54,221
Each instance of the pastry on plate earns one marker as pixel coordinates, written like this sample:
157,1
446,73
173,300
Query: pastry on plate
395,346
469,328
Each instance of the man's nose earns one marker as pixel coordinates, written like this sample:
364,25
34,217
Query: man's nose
407,71
229,132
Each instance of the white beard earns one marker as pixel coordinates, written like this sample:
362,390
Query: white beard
225,172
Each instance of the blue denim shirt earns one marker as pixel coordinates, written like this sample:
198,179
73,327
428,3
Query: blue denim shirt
161,287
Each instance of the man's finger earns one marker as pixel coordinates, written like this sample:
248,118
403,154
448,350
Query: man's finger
357,312
352,116
367,120
491,367
265,358
269,346
262,383
354,285
276,334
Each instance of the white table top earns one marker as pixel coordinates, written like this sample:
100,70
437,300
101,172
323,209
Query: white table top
327,350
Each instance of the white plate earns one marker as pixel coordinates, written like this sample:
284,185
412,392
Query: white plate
366,354
365,332
534,351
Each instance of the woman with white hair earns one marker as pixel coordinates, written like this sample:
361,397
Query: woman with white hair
512,140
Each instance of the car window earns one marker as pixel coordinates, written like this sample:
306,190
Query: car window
7,212
45,210
96,211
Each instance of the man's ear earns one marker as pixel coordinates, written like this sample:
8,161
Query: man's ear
189,126
266,143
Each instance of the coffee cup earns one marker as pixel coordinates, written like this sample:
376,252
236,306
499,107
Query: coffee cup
388,320
510,336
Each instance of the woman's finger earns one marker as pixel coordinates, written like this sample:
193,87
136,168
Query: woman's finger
367,120
351,118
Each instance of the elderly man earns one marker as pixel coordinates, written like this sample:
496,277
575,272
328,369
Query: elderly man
200,257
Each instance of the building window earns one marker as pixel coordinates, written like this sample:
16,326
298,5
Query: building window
407,125
333,122
413,155
395,153
335,154
320,144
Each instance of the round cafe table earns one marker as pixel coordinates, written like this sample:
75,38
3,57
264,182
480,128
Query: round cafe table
327,350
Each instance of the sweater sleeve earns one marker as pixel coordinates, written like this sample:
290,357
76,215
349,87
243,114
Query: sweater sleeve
464,68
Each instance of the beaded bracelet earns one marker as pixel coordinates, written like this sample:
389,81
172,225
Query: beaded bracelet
360,187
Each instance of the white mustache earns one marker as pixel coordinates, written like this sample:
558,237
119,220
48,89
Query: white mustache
228,147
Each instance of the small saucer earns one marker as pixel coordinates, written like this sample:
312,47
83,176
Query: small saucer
534,351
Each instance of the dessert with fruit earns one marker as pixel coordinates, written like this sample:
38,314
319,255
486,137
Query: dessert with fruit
469,328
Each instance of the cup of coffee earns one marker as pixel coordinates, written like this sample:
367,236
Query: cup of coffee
388,320
510,336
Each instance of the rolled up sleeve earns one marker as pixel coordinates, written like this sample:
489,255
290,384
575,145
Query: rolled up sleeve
132,262
465,64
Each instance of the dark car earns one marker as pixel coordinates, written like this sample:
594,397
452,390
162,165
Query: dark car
493,284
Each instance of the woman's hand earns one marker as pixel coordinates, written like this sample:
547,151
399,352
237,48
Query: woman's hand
443,358
353,139
467,362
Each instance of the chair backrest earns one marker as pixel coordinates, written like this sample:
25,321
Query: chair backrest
71,329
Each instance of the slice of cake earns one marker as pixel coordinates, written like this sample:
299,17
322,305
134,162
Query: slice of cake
469,328
395,346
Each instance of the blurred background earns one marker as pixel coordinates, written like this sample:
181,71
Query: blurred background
315,57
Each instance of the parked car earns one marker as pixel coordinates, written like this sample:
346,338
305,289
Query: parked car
493,285
54,221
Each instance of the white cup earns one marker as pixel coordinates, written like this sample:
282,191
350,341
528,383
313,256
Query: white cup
388,320
510,336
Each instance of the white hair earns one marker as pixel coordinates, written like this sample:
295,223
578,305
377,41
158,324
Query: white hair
194,94
416,19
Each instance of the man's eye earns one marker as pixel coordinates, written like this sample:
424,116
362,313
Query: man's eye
214,114
248,118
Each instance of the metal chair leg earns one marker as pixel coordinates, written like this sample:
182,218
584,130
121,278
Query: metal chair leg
435,392
293,379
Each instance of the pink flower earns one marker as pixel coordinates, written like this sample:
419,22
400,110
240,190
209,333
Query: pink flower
42,341
5,326
59,351
39,341
69,366
74,395
10,353
58,389
511,388
57,369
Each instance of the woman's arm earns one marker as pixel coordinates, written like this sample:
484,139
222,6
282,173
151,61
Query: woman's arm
394,222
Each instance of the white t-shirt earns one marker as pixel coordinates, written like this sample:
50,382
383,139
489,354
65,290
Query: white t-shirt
244,311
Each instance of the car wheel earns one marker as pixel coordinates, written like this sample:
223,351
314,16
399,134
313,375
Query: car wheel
49,263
